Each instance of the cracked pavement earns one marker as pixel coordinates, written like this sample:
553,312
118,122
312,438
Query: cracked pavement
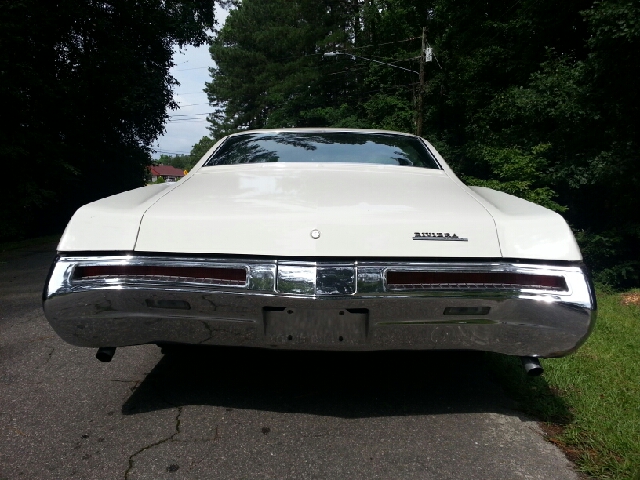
234,413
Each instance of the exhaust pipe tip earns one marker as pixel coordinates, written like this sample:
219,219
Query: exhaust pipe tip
105,354
532,366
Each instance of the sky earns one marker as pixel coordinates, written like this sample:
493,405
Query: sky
188,123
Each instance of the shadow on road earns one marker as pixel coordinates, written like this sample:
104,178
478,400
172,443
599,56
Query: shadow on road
340,384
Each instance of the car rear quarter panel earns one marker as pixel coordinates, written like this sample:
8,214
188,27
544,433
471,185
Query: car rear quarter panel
527,230
112,223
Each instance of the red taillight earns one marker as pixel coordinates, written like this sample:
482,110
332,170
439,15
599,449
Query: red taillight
210,274
430,280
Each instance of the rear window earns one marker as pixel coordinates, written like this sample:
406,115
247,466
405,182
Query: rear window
327,147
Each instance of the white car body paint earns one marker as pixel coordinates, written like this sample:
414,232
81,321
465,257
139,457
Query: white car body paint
361,210
527,230
111,223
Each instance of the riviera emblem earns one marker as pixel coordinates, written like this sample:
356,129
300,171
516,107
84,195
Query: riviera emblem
443,237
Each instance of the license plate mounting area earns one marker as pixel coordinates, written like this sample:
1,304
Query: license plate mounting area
322,327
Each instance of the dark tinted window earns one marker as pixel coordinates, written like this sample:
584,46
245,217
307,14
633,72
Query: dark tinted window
338,147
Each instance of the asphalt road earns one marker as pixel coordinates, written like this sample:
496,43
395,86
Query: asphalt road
237,413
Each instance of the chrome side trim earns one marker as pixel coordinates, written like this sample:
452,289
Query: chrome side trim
127,311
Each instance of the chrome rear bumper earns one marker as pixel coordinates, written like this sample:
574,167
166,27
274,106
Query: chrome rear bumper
320,305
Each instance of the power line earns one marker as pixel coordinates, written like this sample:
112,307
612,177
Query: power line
165,152
359,69
195,68
191,105
192,120
379,44
353,57
337,50
187,114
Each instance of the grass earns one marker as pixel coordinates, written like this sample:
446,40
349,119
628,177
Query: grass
589,402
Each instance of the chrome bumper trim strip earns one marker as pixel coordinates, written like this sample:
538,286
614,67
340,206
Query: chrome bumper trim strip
126,311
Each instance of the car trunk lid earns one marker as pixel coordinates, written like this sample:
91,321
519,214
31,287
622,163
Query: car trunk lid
357,210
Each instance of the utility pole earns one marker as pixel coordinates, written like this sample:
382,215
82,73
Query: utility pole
421,87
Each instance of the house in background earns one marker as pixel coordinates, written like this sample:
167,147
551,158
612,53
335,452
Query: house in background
167,172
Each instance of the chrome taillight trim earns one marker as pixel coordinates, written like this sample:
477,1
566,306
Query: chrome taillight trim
464,286
163,273
314,279
424,279
254,273
161,279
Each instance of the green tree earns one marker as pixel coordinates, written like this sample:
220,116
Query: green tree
199,149
271,72
561,76
187,162
85,88
179,161
266,64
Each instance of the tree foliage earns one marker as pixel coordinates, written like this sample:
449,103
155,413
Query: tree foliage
559,76
187,162
271,72
85,86
534,97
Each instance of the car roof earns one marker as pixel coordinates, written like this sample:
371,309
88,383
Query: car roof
321,130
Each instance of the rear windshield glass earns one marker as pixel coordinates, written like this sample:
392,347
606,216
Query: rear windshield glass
336,147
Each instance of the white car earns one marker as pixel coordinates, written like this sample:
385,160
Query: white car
321,239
